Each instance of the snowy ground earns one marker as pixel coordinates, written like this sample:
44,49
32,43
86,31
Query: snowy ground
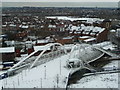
53,74
31,78
102,80
99,81
1,82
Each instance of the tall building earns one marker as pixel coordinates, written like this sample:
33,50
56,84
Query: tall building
119,4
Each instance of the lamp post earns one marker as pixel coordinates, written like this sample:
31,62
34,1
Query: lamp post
60,66
41,82
45,71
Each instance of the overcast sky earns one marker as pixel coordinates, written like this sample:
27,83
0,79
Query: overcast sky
60,0
64,3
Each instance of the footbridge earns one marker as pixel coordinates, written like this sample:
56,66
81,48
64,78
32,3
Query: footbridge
31,61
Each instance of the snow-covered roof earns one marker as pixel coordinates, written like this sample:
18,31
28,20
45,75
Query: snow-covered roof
1,66
8,63
12,25
28,42
87,28
41,26
90,39
3,35
67,37
98,29
32,37
7,49
88,20
23,22
52,26
10,42
118,33
75,28
4,25
32,25
84,37
42,41
36,48
112,30
23,26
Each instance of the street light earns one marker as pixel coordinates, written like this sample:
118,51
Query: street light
45,71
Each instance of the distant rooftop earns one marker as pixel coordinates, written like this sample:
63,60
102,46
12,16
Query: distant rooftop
7,50
88,20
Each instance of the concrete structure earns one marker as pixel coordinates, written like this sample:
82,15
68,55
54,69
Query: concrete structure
115,37
83,54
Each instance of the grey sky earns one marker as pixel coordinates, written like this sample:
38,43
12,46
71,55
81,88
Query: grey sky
60,0
60,3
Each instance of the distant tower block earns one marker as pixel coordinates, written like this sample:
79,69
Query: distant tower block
119,4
